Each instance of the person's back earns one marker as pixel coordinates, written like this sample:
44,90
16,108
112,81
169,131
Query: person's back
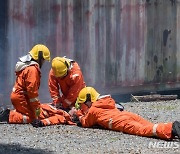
26,86
102,111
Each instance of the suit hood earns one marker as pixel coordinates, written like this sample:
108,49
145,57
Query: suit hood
22,65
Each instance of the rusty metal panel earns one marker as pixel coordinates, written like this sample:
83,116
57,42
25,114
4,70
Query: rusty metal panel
122,46
161,42
3,40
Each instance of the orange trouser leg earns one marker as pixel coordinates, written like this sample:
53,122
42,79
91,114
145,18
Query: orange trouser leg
164,130
21,105
136,125
18,118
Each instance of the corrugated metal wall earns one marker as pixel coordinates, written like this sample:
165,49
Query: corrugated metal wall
121,45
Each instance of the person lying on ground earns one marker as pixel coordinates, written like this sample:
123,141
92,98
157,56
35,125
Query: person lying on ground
101,110
49,115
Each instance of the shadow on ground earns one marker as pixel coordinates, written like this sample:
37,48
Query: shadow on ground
17,148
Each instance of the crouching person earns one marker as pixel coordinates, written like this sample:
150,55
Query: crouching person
101,110
65,82
24,96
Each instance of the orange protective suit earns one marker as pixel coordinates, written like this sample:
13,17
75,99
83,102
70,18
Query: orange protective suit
69,85
48,115
104,113
24,96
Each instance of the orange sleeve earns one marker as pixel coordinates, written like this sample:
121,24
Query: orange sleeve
32,83
89,119
77,83
54,88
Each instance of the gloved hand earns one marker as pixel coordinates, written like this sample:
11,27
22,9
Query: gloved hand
37,112
77,106
37,123
72,111
75,119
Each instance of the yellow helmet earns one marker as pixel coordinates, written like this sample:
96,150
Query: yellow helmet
40,47
87,94
60,66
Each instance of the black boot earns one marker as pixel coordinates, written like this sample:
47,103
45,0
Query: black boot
176,129
4,115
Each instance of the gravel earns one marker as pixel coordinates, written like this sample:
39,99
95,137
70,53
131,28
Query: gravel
25,139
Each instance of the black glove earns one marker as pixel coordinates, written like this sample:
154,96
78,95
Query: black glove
75,119
37,123
79,124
